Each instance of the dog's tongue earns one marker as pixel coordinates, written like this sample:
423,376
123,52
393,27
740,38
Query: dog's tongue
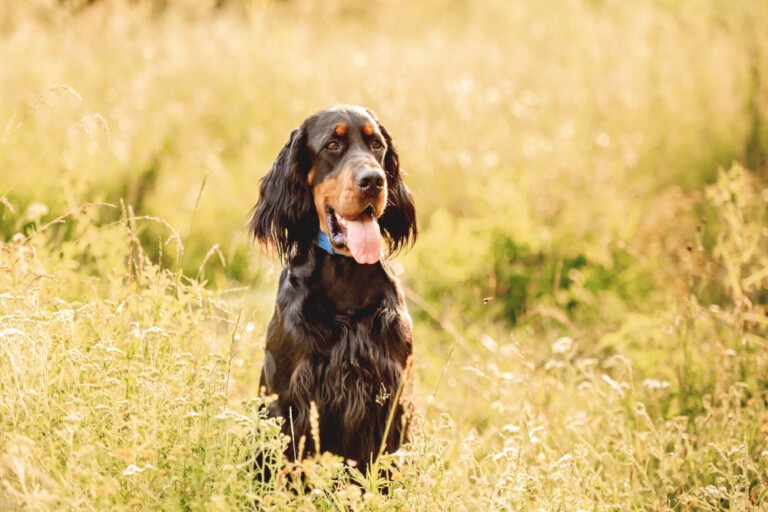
363,239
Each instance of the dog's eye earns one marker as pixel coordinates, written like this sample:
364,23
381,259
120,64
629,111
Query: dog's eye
376,144
332,146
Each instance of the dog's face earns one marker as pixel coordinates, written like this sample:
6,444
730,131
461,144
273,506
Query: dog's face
348,182
339,174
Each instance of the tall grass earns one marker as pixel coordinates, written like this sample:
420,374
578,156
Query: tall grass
588,288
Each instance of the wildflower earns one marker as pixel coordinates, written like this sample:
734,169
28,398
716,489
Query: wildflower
133,469
35,211
655,385
565,462
563,345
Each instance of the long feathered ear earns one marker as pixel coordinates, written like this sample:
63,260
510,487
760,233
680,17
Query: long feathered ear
284,215
398,223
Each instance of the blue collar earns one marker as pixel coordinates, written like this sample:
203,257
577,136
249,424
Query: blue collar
325,244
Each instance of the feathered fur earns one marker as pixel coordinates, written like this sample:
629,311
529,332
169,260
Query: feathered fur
341,334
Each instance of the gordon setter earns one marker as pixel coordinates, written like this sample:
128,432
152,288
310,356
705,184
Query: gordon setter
341,334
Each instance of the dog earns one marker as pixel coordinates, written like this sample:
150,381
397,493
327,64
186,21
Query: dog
341,336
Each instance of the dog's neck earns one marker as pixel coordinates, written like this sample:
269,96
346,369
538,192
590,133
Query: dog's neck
324,243
329,284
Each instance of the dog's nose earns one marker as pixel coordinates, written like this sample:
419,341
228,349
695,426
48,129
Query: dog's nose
370,181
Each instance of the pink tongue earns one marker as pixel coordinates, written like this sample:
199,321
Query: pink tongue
363,239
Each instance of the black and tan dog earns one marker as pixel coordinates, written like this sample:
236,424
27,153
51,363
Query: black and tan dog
340,335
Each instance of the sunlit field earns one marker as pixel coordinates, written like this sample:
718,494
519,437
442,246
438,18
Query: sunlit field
589,287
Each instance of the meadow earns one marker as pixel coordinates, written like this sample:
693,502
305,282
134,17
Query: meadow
589,287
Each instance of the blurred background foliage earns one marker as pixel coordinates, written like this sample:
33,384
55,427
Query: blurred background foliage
554,149
590,281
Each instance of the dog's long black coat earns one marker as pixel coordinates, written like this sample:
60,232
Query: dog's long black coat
341,334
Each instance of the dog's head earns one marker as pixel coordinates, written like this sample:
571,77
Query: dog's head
339,174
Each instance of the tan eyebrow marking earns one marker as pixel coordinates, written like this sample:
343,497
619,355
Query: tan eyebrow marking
368,129
341,130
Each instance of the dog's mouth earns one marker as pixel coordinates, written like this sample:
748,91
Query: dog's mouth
360,235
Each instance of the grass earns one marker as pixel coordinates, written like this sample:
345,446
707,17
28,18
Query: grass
588,289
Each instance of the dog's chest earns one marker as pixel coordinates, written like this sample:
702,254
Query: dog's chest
341,287
351,332
359,370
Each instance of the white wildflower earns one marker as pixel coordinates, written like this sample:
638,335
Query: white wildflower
133,469
655,385
563,345
35,211
565,462
551,364
230,414
64,315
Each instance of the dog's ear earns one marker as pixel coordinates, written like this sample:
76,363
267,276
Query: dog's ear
284,215
398,222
